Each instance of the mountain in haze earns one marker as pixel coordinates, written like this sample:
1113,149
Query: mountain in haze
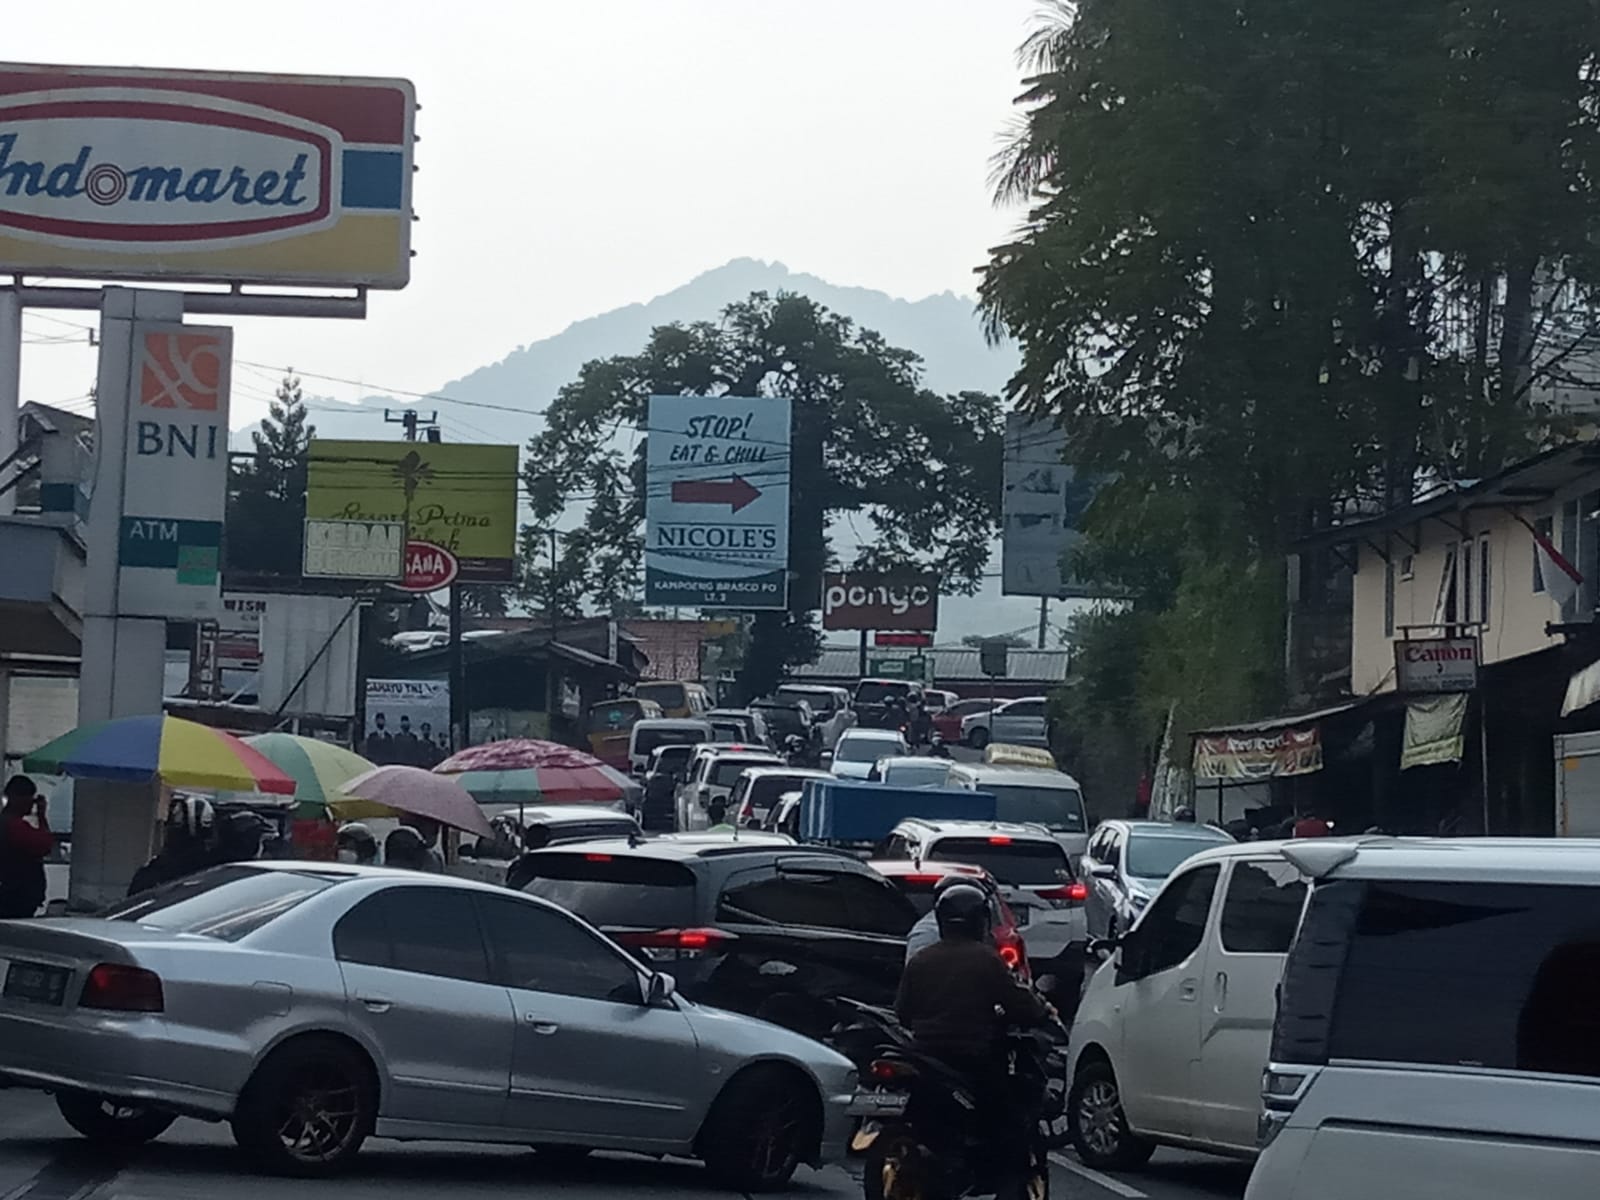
943,329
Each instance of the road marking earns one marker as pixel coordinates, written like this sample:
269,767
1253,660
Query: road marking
1114,1186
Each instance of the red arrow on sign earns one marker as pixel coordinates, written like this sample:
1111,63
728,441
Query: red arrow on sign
736,492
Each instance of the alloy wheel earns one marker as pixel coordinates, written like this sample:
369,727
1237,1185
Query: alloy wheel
1100,1122
319,1117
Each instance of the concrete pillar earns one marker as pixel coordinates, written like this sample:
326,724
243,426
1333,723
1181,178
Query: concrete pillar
10,387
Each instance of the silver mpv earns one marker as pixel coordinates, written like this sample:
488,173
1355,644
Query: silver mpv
313,1005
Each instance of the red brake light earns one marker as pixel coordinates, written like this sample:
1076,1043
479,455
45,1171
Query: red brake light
999,840
1011,956
674,939
597,858
885,1069
122,989
921,880
1072,893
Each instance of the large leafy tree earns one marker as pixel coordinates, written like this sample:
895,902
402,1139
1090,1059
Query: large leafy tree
916,474
267,490
1280,258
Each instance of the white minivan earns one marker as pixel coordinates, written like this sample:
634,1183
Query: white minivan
1173,1030
1031,796
1439,1028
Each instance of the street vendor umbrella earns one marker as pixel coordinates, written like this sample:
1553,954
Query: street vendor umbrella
160,749
319,769
529,771
388,791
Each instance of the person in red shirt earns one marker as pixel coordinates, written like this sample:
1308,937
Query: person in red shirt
24,846
1310,826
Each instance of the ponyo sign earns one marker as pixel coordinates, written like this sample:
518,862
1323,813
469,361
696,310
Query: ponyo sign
194,175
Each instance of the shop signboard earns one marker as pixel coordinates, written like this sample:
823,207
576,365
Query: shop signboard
355,550
1436,664
459,498
1042,510
875,600
130,174
717,504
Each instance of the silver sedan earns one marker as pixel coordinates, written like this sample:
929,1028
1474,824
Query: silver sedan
313,1005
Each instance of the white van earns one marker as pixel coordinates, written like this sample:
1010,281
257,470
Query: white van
654,732
1439,1028
1174,1027
1031,796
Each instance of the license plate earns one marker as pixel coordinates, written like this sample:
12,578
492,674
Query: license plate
877,1104
38,983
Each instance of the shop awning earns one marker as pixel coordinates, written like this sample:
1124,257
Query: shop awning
1583,689
1273,749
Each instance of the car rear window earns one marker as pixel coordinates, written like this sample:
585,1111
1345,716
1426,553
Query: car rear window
1155,856
1021,864
917,774
612,890
881,693
822,702
646,740
1059,810
1497,976
866,749
725,772
225,902
668,695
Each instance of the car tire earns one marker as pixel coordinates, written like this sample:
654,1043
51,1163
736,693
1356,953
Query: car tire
1097,1125
310,1077
112,1124
758,1130
978,738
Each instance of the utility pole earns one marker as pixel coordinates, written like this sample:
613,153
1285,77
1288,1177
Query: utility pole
552,684
412,420
1044,619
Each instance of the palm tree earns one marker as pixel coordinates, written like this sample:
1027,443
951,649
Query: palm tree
412,472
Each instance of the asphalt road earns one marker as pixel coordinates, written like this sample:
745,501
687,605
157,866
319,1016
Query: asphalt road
41,1159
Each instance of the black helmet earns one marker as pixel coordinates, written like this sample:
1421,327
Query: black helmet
404,848
1184,815
962,911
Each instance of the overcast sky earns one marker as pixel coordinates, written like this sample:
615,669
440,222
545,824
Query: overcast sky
576,156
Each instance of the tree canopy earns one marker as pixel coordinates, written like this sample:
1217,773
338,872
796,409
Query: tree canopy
916,474
267,491
1280,260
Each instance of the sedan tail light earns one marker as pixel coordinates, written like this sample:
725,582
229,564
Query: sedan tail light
886,1070
119,988
1066,895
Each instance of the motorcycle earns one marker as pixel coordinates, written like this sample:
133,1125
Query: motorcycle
920,1134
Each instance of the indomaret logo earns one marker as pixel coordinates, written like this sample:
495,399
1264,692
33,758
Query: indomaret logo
128,165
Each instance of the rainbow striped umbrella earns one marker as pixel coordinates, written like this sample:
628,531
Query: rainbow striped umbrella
170,750
319,769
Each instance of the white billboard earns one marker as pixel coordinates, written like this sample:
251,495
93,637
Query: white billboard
408,722
1042,511
717,502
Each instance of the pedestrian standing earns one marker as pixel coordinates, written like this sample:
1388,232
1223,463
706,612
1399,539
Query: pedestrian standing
24,846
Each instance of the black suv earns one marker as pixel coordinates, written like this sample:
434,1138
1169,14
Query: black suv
773,931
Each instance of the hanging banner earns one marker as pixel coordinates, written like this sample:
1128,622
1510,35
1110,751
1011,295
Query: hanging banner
1252,756
1433,731
408,722
175,465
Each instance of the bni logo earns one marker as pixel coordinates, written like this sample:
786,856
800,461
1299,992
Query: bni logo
151,167
182,371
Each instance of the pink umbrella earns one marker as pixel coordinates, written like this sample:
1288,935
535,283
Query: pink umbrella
529,771
516,754
411,790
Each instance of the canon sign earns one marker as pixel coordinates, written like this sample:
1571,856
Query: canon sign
1436,664
871,601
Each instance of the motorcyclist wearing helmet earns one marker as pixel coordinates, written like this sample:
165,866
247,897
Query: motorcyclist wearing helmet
356,844
240,837
186,845
1184,815
925,932
405,849
957,999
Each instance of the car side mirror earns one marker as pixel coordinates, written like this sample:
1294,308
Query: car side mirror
660,990
827,758
1103,871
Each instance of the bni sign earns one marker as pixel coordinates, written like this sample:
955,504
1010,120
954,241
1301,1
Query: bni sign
199,175
175,466
717,506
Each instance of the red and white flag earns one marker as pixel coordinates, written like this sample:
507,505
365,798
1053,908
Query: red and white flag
1561,578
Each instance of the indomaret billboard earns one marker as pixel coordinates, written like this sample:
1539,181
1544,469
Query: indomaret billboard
117,173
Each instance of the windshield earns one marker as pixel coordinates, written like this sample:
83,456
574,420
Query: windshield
1019,864
615,714
646,740
668,695
822,702
224,902
1152,856
916,774
769,789
605,890
1059,810
865,749
725,773
882,693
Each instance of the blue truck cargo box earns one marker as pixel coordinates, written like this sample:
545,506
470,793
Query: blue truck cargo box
847,812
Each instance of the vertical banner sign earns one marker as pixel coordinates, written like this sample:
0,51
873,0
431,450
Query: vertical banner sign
717,507
176,472
1042,513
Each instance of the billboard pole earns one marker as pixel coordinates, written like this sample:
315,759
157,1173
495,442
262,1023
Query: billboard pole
10,384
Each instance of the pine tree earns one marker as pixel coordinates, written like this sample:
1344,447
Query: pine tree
267,496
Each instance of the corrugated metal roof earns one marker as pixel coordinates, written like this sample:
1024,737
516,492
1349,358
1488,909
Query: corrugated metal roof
950,664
